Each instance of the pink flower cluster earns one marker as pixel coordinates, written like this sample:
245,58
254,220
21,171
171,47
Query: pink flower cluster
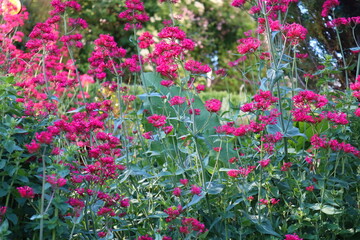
145,40
248,45
322,142
134,14
327,6
196,67
292,237
213,105
106,56
157,120
55,181
26,192
238,3
191,224
262,101
305,102
294,32
3,210
173,213
243,172
356,93
167,51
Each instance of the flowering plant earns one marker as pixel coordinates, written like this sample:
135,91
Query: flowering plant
86,156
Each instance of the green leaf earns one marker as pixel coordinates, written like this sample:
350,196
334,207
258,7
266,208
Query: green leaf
195,199
11,146
215,188
12,217
329,210
2,163
263,227
4,227
3,192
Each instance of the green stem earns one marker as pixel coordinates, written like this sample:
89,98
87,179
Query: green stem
343,57
42,203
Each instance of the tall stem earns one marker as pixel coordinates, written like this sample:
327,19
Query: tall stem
343,58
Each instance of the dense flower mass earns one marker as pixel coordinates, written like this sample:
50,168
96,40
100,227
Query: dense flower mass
132,145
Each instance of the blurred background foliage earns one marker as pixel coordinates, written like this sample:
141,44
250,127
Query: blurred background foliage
216,27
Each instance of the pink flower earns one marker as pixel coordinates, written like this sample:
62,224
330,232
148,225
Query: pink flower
196,67
213,105
166,83
177,100
310,188
200,88
234,173
33,146
157,120
274,201
184,181
238,3
145,40
309,160
195,190
102,234
327,5
167,129
357,112
26,192
217,149
264,162
250,198
194,111
292,237
286,166
125,202
248,45
147,135
294,32
177,192
146,237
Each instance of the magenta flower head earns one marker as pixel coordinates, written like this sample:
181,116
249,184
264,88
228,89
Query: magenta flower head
157,120
213,105
292,237
238,3
177,192
195,190
26,192
184,181
264,162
